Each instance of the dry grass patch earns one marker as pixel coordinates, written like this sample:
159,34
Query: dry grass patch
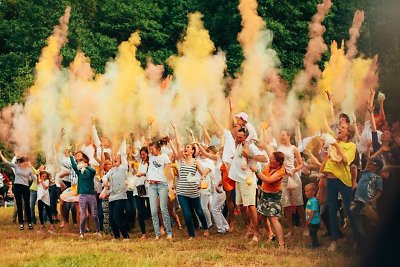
29,248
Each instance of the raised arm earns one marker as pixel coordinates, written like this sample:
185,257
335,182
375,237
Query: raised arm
231,119
381,99
267,140
73,164
205,132
207,154
298,136
178,143
332,111
95,136
192,137
3,158
122,152
299,160
221,128
356,132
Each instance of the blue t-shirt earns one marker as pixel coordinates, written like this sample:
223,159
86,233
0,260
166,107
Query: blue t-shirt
368,185
312,205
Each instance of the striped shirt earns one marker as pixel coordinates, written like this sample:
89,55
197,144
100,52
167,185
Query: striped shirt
184,187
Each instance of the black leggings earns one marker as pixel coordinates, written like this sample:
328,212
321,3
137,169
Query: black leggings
117,218
22,192
141,208
41,207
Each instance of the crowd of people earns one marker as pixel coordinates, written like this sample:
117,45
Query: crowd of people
336,177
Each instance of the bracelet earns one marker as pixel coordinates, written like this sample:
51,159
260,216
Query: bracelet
258,171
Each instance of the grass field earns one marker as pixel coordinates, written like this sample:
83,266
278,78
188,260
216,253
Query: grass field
30,248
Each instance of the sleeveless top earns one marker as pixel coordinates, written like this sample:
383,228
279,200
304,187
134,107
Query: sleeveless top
288,151
184,187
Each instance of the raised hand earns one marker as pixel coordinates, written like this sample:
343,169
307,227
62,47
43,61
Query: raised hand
265,125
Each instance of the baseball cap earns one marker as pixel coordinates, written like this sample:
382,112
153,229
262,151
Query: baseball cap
243,116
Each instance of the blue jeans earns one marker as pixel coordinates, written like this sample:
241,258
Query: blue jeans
53,192
32,204
186,204
154,191
334,186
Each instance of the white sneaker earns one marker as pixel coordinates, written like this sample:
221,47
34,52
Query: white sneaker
332,246
81,236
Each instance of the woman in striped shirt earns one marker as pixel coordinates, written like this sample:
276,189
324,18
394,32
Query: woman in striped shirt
187,188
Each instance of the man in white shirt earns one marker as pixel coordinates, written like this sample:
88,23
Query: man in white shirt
246,181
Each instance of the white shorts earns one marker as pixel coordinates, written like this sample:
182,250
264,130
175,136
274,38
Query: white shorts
292,197
245,194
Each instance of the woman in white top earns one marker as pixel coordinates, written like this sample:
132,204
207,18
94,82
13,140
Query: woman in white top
23,174
43,199
142,180
159,167
218,196
292,196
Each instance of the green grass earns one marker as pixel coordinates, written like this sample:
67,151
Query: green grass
29,248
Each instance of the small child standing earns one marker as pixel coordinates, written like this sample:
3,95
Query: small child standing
312,213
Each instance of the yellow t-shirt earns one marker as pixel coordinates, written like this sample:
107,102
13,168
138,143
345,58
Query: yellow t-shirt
339,169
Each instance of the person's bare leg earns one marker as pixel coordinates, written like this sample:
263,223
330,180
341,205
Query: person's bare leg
173,214
267,225
231,210
302,214
253,219
278,229
64,220
289,219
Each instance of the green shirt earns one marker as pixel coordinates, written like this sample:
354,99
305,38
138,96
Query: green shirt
85,179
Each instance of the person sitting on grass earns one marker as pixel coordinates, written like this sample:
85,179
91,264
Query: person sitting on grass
312,213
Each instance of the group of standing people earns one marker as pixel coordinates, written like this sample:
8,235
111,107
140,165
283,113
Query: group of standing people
263,178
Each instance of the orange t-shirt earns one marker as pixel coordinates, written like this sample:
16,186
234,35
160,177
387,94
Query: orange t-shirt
275,186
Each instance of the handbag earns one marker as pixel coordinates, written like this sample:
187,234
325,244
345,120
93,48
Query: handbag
292,184
141,189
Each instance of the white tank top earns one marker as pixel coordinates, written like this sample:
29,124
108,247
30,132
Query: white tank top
288,151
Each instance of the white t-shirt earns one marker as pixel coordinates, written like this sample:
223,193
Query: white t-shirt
236,172
207,164
229,147
43,194
156,167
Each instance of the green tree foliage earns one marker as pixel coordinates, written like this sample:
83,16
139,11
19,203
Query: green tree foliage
98,26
